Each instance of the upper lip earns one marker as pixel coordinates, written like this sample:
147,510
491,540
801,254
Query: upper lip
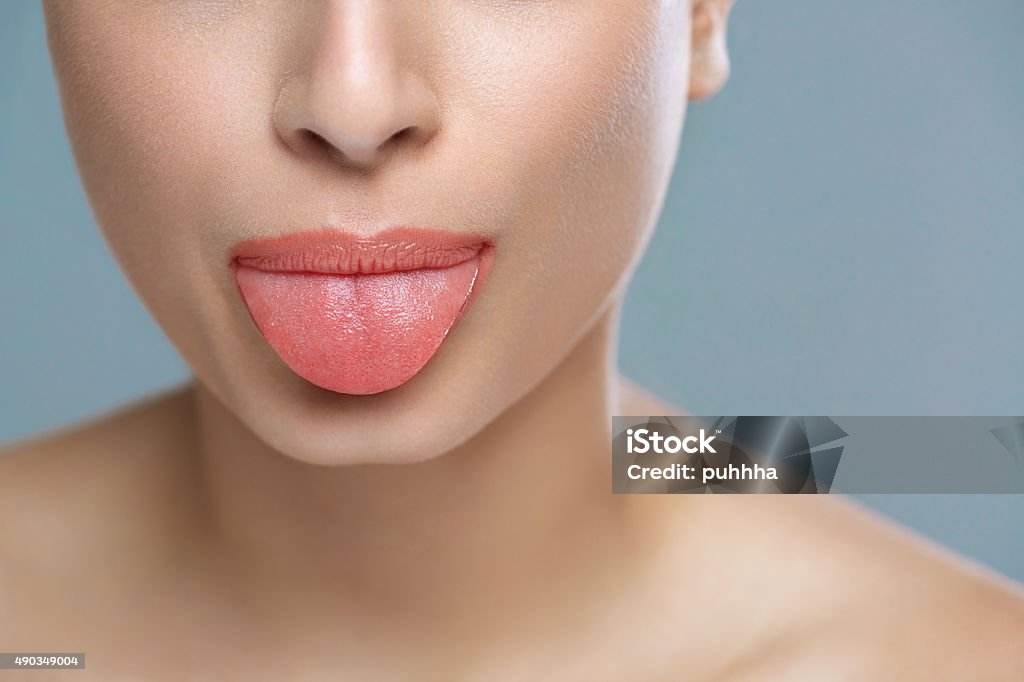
332,251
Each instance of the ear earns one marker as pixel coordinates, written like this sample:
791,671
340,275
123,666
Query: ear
709,63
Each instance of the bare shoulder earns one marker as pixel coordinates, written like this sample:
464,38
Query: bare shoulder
897,605
842,591
41,478
80,456
73,498
636,400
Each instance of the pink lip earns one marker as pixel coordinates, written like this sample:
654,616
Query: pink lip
354,314
341,253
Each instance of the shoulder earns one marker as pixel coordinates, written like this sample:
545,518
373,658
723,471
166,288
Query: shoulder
895,605
818,587
941,609
635,400
49,474
63,464
840,587
72,499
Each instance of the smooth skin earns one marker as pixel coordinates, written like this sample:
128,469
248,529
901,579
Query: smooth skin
459,527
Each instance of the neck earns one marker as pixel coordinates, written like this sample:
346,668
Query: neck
523,502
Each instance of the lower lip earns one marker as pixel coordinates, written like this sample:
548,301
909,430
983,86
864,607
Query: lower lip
354,315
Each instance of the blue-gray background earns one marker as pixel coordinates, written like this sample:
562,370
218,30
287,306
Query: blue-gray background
843,236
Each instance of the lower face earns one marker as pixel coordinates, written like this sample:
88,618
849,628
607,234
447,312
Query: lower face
557,131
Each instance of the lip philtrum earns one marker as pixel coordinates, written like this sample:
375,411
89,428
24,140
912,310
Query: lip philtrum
359,315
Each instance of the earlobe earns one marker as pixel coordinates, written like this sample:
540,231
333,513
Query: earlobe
709,63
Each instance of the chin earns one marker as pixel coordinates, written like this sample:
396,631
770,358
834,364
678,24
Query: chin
433,413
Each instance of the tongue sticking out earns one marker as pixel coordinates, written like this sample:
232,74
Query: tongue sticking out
361,333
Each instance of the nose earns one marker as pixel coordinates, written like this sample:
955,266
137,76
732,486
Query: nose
355,97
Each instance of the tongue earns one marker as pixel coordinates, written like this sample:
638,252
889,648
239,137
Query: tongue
357,334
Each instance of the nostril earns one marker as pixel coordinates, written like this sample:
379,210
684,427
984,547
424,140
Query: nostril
351,152
396,141
320,145
400,135
316,140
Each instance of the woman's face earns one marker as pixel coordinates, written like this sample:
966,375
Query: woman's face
547,128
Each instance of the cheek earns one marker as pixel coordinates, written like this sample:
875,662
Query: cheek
156,118
151,116
583,116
